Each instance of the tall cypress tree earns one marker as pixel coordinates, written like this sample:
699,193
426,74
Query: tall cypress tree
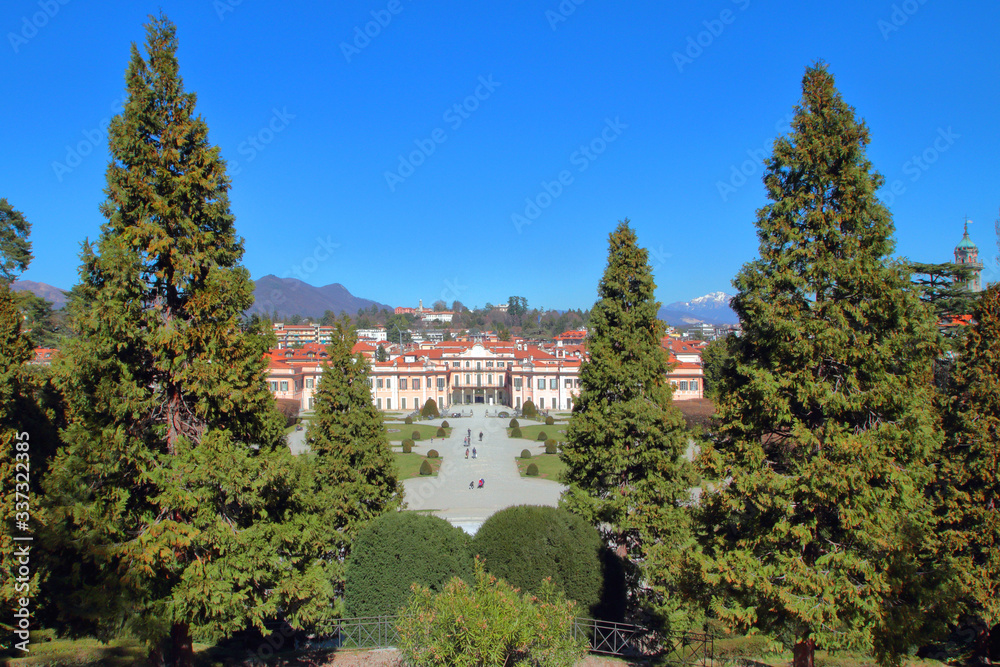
970,481
173,489
354,470
626,440
826,423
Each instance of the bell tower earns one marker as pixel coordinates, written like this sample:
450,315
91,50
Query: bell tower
967,253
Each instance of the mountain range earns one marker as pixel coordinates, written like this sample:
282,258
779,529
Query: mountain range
57,296
712,308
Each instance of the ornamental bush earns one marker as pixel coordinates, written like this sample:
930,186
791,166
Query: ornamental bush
425,467
415,435
397,550
407,446
529,410
513,424
525,454
445,424
527,543
515,432
532,470
441,432
408,420
430,409
433,454
550,446
549,421
542,437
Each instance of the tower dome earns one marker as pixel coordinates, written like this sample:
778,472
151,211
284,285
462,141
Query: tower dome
966,252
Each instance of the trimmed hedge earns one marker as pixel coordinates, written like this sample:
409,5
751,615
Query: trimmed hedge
513,424
549,421
433,454
550,446
526,543
445,424
515,432
542,437
397,550
415,435
525,454
532,470
425,468
408,420
529,410
441,432
407,446
430,409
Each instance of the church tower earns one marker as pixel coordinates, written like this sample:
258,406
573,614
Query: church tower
967,253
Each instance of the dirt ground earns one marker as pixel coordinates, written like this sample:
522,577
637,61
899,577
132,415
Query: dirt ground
697,412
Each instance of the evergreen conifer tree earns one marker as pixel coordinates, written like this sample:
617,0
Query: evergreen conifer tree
172,496
826,427
626,440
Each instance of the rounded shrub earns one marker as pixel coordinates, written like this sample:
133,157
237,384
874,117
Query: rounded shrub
407,446
513,424
429,410
542,437
525,454
441,432
529,410
549,421
550,446
515,432
408,420
526,543
415,435
445,424
532,470
399,549
425,467
433,454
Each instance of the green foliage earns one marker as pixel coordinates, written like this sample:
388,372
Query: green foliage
529,410
549,421
527,543
400,549
525,454
407,446
488,624
625,442
15,248
944,288
826,428
432,454
714,357
531,470
415,435
513,423
550,446
381,354
542,437
441,432
408,420
515,432
425,467
430,409
445,424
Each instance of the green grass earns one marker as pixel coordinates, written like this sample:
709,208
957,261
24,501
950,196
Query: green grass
557,432
83,652
427,431
549,466
408,465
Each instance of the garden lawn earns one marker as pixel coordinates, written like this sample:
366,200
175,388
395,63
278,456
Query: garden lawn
408,465
399,432
549,466
557,431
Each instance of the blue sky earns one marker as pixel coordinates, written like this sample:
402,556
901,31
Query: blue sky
350,162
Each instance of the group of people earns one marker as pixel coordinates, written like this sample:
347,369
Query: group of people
467,452
472,484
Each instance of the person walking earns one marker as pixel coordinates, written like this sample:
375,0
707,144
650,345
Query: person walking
467,453
480,436
473,452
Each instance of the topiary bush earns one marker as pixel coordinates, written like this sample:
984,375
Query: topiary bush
397,550
542,437
430,409
425,468
441,432
525,454
433,454
532,470
526,543
415,435
550,446
529,410
549,421
513,424
445,424
515,432
407,446
408,420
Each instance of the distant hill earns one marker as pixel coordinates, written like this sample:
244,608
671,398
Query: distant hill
289,297
57,296
712,308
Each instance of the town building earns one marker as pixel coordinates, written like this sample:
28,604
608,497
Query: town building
967,254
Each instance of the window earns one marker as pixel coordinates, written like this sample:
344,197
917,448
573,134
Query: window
388,404
381,382
578,383
489,364
370,383
489,379
274,385
309,383
456,380
479,365
416,383
378,403
479,380
517,385
518,405
541,383
468,379
694,385
468,364
440,384
402,384
388,384
553,383
402,403
456,364
284,385
499,364
568,384
684,385
541,403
